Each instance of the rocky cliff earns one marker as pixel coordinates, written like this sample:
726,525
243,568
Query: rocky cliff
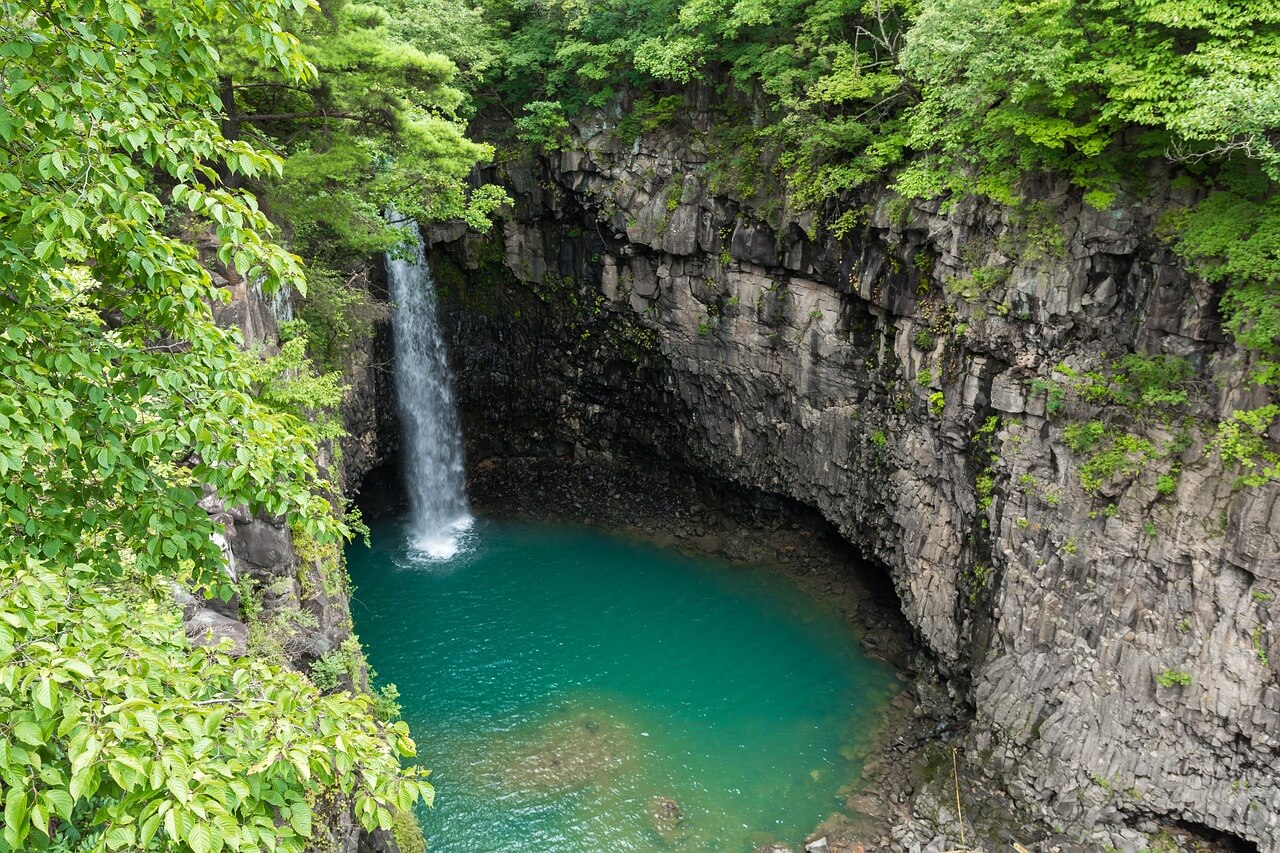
945,385
294,607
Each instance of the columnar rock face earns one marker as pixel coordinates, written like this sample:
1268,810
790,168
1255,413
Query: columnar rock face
902,381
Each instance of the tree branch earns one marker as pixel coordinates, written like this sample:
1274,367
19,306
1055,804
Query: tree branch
314,114
307,92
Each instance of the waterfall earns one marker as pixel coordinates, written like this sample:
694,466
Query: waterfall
431,436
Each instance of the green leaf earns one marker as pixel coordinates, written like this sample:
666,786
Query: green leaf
200,839
300,819
15,813
28,732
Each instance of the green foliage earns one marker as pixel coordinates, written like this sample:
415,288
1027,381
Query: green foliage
287,382
386,703
1110,453
120,737
406,833
379,126
457,30
985,488
937,402
119,397
1173,678
1240,441
338,315
879,439
1233,236
1084,437
649,114
1143,383
1054,394
121,402
331,671
1009,87
826,68
543,125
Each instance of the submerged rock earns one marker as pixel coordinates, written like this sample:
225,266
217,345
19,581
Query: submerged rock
666,818
570,750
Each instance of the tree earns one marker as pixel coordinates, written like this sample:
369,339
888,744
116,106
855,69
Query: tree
120,402
379,125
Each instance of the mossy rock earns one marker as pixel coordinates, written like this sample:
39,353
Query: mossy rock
406,833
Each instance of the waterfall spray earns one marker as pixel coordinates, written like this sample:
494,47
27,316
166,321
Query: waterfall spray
431,435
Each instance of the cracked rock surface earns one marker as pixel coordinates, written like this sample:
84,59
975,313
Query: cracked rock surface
630,312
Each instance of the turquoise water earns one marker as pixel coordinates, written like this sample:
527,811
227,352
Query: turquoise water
572,691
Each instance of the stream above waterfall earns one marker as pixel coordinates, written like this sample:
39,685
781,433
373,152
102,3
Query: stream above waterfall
575,691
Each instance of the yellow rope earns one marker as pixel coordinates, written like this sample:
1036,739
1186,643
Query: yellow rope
955,774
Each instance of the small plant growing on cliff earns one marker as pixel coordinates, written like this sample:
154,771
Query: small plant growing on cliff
925,377
925,340
1240,441
985,487
1166,484
1261,596
981,574
704,327
1173,678
937,402
879,439
1070,547
1184,624
328,672
1261,652
1054,395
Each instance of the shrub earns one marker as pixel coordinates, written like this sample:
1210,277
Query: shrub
1082,438
122,732
338,313
1173,678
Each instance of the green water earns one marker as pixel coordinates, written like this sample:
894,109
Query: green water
575,692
